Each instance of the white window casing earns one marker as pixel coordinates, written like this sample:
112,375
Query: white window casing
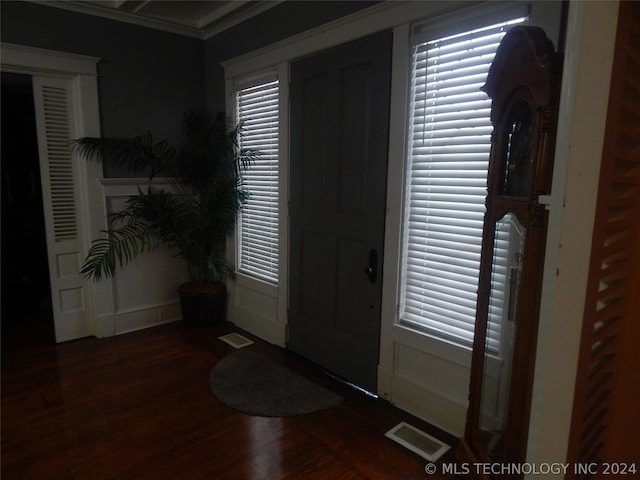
257,102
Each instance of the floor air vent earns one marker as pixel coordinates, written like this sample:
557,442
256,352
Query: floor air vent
236,340
417,441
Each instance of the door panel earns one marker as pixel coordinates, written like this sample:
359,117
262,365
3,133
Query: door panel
53,103
339,144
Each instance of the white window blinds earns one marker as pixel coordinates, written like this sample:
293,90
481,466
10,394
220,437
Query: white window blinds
448,152
257,109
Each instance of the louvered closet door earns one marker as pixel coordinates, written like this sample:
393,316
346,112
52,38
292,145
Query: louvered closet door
54,121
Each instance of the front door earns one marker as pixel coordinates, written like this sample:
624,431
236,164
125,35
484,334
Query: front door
339,145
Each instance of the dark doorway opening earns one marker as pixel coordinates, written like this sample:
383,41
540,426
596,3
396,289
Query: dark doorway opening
27,315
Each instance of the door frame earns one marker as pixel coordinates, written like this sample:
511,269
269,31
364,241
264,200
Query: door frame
81,71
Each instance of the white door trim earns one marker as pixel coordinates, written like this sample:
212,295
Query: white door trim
81,71
40,61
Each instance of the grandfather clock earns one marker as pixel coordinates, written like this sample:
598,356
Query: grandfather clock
523,86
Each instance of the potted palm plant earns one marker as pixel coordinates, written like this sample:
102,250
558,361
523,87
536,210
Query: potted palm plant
193,218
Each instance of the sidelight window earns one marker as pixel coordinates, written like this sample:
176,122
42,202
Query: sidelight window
257,109
448,152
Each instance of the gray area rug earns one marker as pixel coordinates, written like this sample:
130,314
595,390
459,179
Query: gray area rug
253,383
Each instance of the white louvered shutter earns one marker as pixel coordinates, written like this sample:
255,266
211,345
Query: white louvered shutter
448,154
60,162
257,242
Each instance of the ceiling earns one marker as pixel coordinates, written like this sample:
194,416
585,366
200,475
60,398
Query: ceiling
200,18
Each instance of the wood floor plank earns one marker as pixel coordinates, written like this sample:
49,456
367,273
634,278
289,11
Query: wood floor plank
138,406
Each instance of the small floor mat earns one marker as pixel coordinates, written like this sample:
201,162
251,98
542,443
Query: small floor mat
253,383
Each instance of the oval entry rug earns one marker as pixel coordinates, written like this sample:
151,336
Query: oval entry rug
253,383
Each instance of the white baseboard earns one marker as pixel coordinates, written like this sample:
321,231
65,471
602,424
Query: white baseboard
145,317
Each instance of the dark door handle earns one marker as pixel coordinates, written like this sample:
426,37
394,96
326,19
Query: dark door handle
372,269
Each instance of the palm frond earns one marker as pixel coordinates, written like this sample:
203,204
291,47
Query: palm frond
116,249
138,153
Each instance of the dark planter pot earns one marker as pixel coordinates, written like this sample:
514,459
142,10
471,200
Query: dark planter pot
203,303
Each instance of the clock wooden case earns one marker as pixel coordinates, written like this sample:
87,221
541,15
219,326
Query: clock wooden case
523,85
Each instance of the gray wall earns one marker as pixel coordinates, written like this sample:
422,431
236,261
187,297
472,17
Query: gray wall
148,78
280,22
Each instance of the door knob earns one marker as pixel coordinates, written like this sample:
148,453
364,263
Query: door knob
372,269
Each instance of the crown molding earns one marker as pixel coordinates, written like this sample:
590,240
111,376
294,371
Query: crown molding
220,25
120,16
209,26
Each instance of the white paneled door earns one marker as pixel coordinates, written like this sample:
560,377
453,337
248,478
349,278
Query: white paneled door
54,120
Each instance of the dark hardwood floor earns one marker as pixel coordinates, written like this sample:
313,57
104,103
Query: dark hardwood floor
138,406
